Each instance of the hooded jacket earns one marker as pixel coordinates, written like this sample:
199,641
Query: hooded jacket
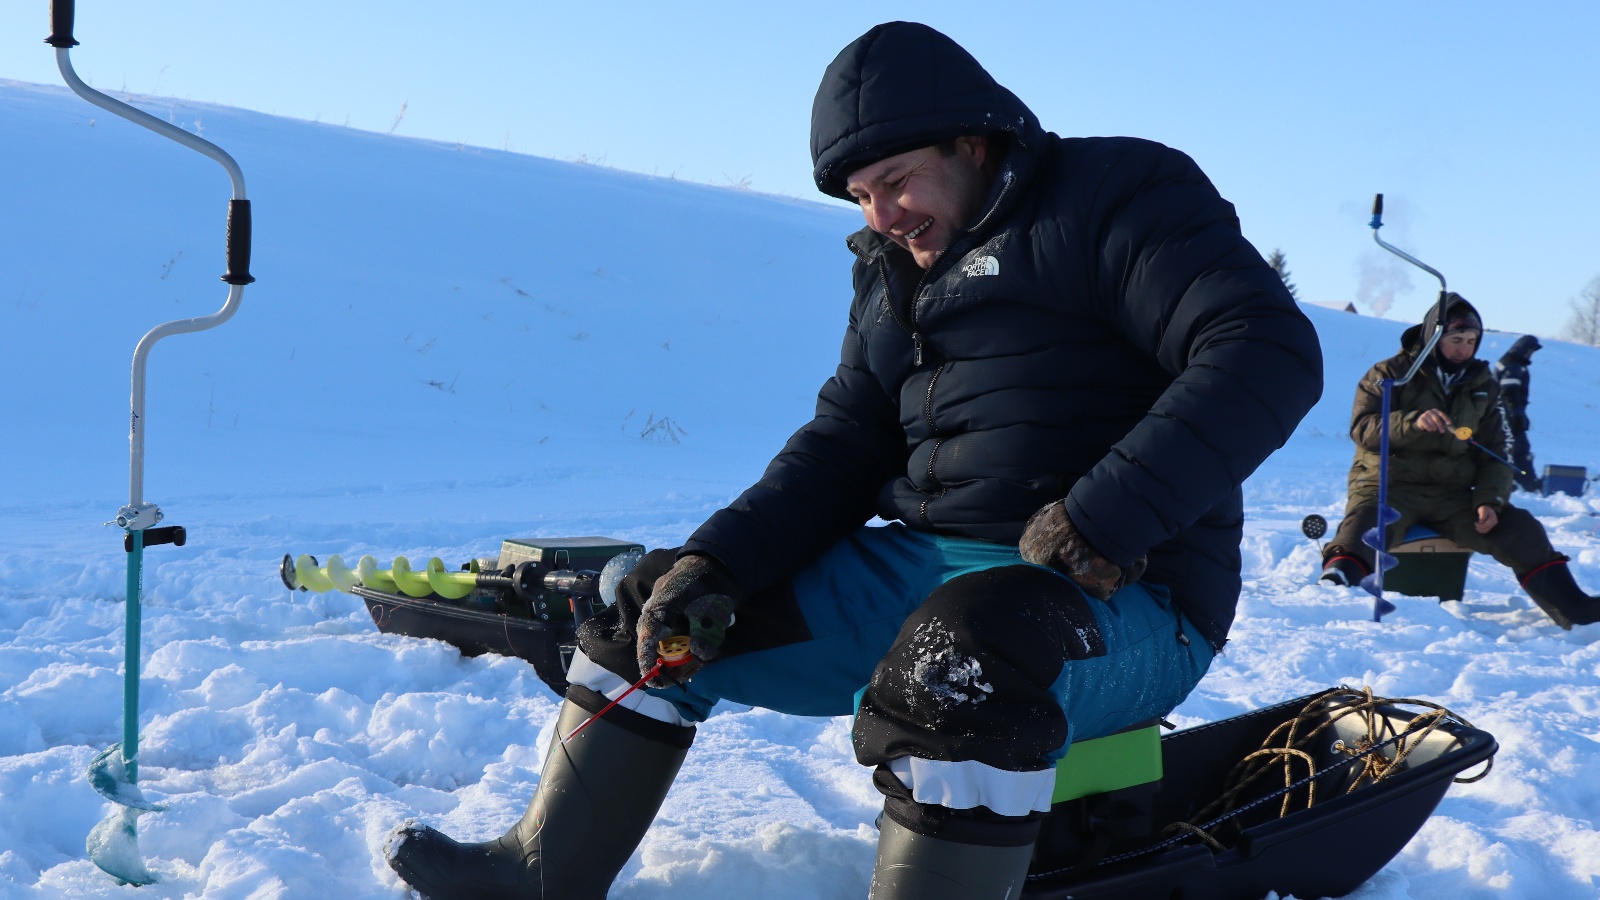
1100,332
1511,373
1428,470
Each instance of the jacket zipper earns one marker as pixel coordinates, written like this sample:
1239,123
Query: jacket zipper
909,323
927,406
916,293
910,326
894,310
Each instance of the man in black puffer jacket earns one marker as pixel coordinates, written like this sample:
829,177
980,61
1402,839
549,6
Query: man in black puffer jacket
1062,361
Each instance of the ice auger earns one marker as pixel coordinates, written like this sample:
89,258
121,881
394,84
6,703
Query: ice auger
303,573
524,581
113,844
1388,515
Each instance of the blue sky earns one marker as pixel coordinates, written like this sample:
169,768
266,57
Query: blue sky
1479,122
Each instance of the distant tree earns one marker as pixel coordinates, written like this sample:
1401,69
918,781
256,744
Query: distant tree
1583,325
1279,264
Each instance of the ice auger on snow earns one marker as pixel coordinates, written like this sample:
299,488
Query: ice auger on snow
113,844
1388,515
525,581
526,602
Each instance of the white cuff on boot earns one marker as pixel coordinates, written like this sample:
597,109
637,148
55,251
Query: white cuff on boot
593,676
968,784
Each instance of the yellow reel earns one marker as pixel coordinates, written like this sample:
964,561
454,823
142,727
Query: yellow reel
674,650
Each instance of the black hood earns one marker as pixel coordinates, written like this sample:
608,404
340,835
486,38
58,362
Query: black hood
901,86
1522,350
1416,337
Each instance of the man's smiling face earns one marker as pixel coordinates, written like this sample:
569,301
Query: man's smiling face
922,198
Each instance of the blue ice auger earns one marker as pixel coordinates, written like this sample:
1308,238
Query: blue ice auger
113,845
1388,515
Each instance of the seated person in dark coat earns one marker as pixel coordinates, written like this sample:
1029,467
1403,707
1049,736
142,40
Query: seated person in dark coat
1440,480
1061,361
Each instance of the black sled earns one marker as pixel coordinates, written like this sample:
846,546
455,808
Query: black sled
1121,844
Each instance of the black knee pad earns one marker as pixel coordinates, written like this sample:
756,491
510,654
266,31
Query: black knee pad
969,675
996,607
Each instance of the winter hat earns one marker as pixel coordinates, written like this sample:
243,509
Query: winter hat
899,87
1463,319
1459,315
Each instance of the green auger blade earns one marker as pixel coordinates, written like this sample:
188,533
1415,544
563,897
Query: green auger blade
341,576
303,573
311,576
447,584
412,584
373,577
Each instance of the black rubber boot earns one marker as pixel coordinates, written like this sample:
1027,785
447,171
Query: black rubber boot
1343,570
597,796
1552,588
914,866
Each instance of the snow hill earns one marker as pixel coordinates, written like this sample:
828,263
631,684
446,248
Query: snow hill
449,345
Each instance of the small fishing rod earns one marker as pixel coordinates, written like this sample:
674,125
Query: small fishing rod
1465,434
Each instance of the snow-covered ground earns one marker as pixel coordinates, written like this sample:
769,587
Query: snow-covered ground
448,346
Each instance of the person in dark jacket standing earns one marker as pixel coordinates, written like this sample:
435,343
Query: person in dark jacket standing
1511,373
1439,479
1061,362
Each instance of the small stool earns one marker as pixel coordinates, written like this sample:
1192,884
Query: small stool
1105,793
1430,566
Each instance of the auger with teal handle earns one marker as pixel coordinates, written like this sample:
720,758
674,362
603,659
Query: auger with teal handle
113,844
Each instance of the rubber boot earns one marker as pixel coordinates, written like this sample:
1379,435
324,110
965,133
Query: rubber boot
914,866
596,799
1552,588
1343,570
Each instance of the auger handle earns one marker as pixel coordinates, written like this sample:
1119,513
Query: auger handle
176,535
1377,212
61,25
238,242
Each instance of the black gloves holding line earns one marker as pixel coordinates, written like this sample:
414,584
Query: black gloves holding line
696,598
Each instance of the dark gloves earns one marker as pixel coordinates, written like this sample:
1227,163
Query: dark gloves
1050,539
695,598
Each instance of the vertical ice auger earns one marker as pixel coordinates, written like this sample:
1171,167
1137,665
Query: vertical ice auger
113,844
1388,515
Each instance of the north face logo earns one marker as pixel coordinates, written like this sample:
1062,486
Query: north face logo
983,265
